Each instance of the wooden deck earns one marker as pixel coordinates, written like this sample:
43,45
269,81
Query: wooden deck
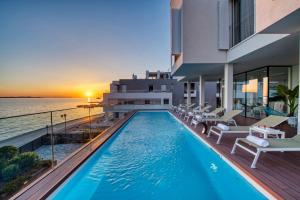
47,183
278,173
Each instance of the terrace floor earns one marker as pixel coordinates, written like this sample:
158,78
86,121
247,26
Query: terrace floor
278,173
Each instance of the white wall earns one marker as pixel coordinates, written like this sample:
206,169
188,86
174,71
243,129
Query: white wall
145,95
200,32
268,12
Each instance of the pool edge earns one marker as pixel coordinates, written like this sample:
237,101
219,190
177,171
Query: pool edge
256,183
39,190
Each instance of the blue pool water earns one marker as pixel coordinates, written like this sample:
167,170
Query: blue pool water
155,157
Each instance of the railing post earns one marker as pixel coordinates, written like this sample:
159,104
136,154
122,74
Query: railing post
90,123
52,139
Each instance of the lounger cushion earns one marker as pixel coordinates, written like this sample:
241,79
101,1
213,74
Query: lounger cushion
276,143
258,141
223,127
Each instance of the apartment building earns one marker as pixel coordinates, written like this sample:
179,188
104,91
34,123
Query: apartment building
158,90
248,47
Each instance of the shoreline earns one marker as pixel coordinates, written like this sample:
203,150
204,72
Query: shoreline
27,137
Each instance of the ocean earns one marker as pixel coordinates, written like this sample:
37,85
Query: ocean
19,106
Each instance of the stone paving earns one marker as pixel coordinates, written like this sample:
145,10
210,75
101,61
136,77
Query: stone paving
61,151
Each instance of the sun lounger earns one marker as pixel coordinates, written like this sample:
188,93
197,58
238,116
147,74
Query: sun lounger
275,145
201,110
200,117
227,117
270,121
214,113
196,111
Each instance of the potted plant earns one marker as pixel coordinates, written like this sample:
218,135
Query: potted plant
290,97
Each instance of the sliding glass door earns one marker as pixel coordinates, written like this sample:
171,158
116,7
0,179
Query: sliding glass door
254,90
256,84
278,76
239,102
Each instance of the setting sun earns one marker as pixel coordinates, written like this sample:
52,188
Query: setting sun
88,94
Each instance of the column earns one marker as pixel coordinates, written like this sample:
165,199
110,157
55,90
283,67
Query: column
188,91
158,75
228,86
201,91
298,128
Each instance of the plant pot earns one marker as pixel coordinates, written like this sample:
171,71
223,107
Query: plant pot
292,121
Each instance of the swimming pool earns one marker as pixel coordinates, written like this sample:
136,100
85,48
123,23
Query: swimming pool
153,156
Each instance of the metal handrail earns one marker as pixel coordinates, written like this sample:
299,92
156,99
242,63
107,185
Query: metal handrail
140,91
51,124
37,113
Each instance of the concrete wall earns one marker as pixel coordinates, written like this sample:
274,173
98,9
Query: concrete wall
127,108
200,32
136,95
176,31
141,85
268,12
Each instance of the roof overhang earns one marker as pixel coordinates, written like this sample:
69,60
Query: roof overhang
282,52
192,71
288,24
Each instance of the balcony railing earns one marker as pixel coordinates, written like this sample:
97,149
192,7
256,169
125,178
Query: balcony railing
128,107
140,91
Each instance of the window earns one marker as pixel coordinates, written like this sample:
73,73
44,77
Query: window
150,88
242,20
123,88
254,90
147,101
163,88
166,101
239,101
278,76
192,86
185,88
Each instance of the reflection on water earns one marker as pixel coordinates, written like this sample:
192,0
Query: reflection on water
18,106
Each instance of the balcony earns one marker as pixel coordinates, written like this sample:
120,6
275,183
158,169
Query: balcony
138,95
128,107
193,93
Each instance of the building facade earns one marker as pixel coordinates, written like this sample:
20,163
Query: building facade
158,90
247,47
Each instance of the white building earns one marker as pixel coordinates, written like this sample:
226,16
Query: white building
249,46
158,90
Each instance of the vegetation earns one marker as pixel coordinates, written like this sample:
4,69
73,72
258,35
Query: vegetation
16,169
289,96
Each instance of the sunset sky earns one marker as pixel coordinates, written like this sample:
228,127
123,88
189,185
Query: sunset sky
64,48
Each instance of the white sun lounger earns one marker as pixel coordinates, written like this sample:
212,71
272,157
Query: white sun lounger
201,110
214,113
196,111
275,145
200,117
270,121
227,117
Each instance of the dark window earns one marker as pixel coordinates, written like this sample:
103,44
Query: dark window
166,101
147,101
192,86
150,88
242,20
